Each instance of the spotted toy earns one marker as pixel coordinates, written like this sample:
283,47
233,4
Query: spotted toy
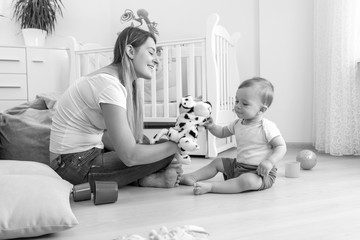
185,132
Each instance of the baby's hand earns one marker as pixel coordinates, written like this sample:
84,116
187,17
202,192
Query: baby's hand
264,168
209,123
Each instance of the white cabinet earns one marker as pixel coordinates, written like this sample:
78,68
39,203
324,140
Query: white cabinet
47,71
13,80
28,71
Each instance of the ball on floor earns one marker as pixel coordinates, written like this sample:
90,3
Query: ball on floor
307,159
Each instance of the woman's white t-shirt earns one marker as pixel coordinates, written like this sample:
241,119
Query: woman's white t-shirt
78,124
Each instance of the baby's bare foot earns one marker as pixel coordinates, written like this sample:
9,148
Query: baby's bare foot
167,178
187,179
202,188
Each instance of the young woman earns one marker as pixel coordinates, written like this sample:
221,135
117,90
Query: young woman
97,129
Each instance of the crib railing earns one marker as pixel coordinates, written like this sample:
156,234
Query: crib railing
222,72
87,61
222,59
183,63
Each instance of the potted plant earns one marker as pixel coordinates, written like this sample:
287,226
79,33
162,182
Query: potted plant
37,17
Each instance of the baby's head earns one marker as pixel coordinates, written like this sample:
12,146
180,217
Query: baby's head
264,88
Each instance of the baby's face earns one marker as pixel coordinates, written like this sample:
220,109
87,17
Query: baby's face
247,103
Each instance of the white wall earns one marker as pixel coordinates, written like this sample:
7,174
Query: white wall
286,32
99,21
280,49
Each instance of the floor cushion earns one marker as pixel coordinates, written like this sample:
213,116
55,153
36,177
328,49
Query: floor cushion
34,200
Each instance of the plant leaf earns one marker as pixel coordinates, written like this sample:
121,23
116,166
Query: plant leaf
40,14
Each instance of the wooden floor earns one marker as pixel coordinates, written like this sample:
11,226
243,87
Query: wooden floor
323,203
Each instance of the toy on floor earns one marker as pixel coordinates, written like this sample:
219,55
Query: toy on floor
185,132
187,232
307,159
292,169
104,192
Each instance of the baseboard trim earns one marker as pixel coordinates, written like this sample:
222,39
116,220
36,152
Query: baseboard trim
304,145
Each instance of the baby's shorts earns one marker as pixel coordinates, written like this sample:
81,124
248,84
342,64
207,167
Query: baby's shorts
233,169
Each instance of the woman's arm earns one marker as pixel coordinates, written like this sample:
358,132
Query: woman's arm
123,141
107,142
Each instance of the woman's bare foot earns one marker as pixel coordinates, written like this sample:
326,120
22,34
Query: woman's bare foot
167,178
187,179
202,188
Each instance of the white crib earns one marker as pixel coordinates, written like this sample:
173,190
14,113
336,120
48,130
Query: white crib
205,68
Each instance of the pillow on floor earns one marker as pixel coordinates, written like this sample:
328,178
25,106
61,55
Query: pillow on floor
34,200
10,167
25,129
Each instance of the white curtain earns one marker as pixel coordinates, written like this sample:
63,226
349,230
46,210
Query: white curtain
336,77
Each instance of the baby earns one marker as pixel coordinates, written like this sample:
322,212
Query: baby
259,145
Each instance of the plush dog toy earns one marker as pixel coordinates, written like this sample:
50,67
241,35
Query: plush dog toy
185,132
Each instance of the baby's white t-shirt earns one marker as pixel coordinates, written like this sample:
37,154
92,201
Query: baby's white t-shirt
253,140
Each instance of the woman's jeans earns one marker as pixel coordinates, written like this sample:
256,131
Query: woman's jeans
98,165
